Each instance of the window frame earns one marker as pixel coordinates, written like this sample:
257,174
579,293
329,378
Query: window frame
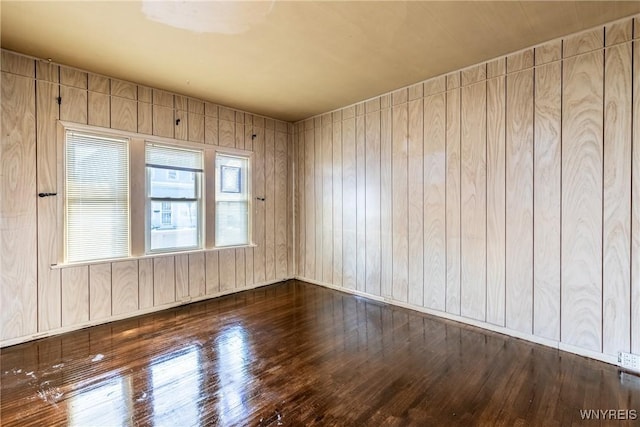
137,192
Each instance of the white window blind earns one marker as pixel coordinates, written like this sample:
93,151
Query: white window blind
96,197
232,200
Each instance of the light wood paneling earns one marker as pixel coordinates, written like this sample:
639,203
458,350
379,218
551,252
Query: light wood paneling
181,125
100,291
146,282
309,202
259,206
73,77
434,200
386,197
75,295
372,201
145,118
361,218
18,264
226,133
99,113
210,130
212,278
124,287
49,310
582,146
241,279
281,206
182,276
270,205
17,64
519,197
196,127
635,204
520,61
164,280
337,200
399,200
162,98
548,52
45,71
327,199
415,202
74,104
127,90
496,210
583,42
349,206
453,200
473,201
474,74
547,201
300,203
227,268
163,121
619,32
318,251
99,84
145,94
124,114
616,287
197,285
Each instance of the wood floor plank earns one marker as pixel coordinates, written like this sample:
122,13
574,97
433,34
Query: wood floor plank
372,203
496,208
547,201
473,201
400,203
453,201
434,201
519,198
415,202
582,151
616,298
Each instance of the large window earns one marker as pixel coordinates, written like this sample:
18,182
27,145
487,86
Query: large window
232,200
96,198
174,199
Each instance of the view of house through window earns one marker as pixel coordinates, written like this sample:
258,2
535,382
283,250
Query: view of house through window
174,198
232,200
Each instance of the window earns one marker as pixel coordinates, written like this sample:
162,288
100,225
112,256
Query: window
174,200
96,198
232,200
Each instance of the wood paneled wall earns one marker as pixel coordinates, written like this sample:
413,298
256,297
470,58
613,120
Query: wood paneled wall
505,194
36,299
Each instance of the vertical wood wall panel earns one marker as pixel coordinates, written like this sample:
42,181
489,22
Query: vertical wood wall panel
100,291
349,206
259,254
327,200
547,200
281,206
361,218
99,113
616,298
635,203
270,204
473,201
399,178
49,310
75,295
372,202
197,278
319,220
386,197
146,281
453,201
519,197
415,202
300,203
241,277
182,276
124,114
337,200
124,287
212,277
19,267
496,208
435,202
582,151
164,280
227,268
309,197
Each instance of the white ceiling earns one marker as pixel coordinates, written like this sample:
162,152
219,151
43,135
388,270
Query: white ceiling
288,60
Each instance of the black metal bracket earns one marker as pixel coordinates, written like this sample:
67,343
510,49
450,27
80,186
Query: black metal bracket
177,122
262,199
59,99
254,136
47,194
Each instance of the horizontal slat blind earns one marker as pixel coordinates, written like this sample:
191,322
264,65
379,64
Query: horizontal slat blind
96,197
174,158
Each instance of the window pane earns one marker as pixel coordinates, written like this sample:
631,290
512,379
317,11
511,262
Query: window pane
174,225
232,200
172,184
96,197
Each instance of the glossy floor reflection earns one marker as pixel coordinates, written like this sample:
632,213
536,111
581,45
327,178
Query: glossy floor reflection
298,354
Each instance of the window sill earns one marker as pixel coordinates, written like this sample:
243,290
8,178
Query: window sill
149,256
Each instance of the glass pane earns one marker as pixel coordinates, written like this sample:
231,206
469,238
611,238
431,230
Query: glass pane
174,225
172,183
232,223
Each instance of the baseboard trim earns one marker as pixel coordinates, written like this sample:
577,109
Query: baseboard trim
613,360
185,301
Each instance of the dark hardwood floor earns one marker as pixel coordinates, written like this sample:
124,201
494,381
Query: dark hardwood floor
298,354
